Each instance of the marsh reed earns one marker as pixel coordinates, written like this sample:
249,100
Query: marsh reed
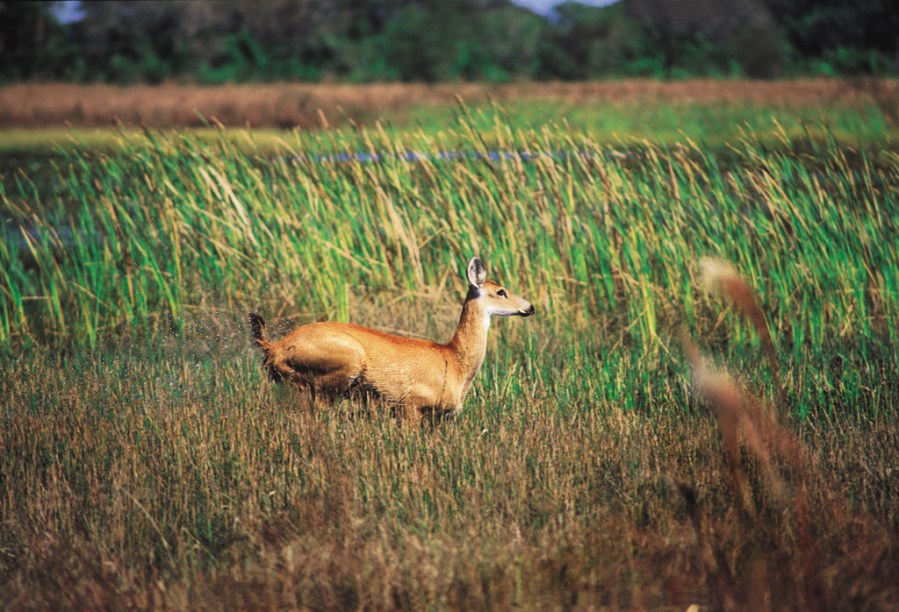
146,461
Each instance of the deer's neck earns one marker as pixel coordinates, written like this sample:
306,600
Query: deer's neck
469,343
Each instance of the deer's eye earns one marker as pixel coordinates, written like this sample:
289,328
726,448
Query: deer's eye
502,293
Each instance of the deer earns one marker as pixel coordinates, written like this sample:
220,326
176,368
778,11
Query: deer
414,377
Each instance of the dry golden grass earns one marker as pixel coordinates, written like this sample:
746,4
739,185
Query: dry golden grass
176,477
301,105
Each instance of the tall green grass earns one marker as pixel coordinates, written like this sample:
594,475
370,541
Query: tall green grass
598,238
147,462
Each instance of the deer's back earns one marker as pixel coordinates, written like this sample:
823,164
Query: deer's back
415,372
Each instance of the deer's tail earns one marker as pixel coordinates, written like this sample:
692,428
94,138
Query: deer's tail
257,328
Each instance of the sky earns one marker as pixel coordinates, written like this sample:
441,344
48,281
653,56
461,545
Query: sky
70,10
545,6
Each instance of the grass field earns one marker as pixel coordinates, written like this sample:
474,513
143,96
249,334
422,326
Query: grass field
35,117
148,462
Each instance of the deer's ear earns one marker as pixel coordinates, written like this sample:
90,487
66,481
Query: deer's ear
477,275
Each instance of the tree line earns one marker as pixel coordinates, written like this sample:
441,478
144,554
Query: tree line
222,41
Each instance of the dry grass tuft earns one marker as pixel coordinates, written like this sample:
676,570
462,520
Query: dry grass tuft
721,277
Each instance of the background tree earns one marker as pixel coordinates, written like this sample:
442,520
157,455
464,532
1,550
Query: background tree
217,41
836,36
32,41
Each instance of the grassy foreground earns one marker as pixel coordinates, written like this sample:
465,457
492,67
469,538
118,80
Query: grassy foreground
178,478
147,462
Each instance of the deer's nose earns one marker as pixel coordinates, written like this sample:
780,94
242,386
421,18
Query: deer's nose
528,311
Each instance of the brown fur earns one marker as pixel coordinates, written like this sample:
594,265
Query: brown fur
415,376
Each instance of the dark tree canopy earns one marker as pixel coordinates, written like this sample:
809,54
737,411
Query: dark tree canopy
438,40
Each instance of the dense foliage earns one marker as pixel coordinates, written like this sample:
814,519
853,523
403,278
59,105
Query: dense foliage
431,40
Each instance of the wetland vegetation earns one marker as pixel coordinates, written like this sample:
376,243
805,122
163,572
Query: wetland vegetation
147,461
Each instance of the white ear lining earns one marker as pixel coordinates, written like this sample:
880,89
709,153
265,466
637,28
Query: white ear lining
477,275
